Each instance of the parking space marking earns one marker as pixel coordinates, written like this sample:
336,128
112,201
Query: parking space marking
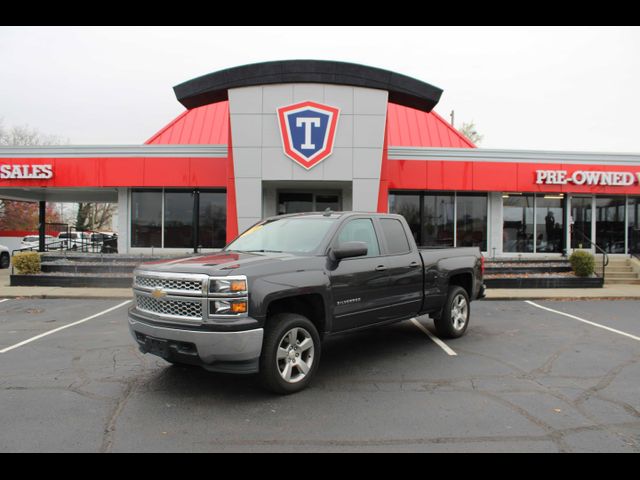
435,339
4,300
55,330
588,322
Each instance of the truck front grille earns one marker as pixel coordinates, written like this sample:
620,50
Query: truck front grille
177,285
180,309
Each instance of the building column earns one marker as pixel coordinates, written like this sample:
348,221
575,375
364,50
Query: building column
494,245
124,220
42,219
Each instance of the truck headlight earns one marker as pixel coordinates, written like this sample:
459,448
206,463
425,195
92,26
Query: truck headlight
228,286
228,307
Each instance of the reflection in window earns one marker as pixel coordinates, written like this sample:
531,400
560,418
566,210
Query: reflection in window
610,213
146,218
213,219
178,219
471,221
437,220
409,207
517,230
581,214
633,215
549,224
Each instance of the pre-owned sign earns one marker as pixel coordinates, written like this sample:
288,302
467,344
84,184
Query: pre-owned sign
587,177
9,171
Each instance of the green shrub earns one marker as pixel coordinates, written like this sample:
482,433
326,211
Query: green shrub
27,262
583,263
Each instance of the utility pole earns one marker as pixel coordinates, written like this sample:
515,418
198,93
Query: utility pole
452,115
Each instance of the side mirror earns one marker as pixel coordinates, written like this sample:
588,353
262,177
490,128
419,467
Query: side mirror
349,249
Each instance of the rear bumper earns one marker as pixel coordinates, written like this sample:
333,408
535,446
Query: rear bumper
482,292
232,352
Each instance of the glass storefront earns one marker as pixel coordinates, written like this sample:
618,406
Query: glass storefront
178,218
443,219
471,220
633,224
581,208
438,220
549,224
517,228
164,219
212,222
533,223
610,219
146,218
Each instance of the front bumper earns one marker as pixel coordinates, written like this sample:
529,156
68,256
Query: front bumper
232,352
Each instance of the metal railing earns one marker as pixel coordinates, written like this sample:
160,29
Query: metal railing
598,249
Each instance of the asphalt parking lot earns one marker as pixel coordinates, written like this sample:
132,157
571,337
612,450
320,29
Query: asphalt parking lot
522,379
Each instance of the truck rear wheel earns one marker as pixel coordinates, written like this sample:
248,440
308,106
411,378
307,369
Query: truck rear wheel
454,319
290,353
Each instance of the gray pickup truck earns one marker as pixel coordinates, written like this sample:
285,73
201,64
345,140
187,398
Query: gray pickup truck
265,302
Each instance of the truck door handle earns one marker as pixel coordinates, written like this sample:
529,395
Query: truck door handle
380,268
414,265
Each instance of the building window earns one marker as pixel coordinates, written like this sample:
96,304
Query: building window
408,205
517,228
213,219
164,219
549,224
178,218
633,215
444,218
610,220
471,220
438,220
146,218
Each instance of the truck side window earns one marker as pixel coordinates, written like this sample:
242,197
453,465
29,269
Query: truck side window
360,230
395,236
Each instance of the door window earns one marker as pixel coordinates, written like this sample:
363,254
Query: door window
361,230
396,238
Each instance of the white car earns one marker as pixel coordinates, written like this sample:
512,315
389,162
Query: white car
33,241
75,240
5,257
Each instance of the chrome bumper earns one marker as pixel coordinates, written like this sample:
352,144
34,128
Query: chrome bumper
212,347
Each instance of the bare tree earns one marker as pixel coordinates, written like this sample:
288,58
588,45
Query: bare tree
25,135
95,216
468,129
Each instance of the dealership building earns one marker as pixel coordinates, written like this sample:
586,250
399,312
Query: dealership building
301,135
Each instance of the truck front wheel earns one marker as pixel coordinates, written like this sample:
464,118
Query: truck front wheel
454,319
290,353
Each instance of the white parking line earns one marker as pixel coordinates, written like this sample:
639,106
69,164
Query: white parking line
588,322
435,339
50,332
5,300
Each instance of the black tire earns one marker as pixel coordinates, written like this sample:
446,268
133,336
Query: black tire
5,260
454,319
273,370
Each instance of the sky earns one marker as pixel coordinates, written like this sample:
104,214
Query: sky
552,88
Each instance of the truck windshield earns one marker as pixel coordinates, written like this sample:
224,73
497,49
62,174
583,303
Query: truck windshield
289,234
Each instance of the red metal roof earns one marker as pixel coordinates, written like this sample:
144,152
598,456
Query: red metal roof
208,125
408,127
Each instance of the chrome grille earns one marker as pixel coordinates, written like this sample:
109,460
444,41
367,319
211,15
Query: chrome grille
172,308
182,285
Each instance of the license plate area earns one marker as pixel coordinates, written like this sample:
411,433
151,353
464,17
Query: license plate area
157,346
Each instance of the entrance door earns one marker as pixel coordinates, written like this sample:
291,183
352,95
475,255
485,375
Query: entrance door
296,202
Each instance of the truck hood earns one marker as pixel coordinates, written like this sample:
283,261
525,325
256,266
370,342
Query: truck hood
222,263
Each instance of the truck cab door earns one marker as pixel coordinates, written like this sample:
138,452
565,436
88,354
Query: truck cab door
359,284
